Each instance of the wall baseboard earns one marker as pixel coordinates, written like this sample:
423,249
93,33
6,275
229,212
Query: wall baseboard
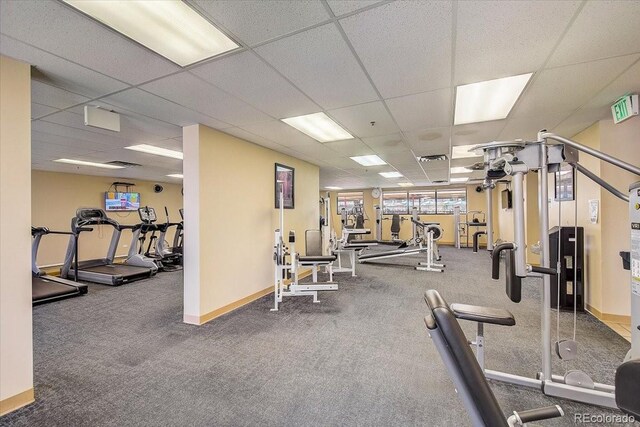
200,320
12,403
608,317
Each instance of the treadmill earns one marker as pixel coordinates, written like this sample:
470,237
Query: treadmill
46,288
101,270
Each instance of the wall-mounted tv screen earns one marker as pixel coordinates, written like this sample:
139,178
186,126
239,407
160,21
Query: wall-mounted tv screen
114,201
506,199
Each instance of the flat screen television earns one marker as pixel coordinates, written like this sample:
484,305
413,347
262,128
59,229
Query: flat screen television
115,201
506,199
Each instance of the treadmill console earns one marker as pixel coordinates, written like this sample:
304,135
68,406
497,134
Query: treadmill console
91,214
147,215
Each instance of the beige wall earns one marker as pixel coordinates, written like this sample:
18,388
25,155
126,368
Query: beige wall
56,196
230,217
16,344
475,201
607,284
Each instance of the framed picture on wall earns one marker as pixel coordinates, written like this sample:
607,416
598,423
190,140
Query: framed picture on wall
565,180
285,180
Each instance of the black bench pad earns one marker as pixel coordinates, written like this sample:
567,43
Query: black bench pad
314,259
476,313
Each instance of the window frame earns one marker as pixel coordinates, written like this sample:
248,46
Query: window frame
436,198
338,207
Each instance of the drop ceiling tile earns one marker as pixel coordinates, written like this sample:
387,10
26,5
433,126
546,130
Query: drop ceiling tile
134,122
319,62
248,136
476,133
342,163
341,7
191,92
527,127
349,147
39,110
358,118
405,46
497,39
603,29
58,71
423,110
153,106
50,151
568,88
247,77
386,143
429,141
65,135
279,132
628,82
255,21
63,31
52,96
581,119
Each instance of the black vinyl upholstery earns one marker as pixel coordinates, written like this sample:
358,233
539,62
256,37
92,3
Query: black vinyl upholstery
395,224
476,313
628,387
458,352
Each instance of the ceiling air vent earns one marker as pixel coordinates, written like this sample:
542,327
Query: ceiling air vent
440,181
123,164
432,158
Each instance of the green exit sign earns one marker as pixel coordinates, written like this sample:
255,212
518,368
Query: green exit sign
624,108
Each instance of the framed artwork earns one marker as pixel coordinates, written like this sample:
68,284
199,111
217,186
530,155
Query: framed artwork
285,179
565,180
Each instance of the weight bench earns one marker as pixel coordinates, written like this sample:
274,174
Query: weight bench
314,257
466,373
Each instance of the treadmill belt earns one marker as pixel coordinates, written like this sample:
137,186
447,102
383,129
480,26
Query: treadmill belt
44,290
115,269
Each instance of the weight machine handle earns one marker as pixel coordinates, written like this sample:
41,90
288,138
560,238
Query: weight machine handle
495,258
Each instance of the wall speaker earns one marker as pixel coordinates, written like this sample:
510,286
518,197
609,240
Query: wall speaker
158,188
479,189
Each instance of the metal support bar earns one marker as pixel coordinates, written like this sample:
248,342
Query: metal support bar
595,178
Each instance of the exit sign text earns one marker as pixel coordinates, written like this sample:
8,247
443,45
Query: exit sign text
624,108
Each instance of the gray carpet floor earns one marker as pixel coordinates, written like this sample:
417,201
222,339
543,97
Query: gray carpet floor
122,356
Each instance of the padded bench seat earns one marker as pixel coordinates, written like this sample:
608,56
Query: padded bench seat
476,313
317,259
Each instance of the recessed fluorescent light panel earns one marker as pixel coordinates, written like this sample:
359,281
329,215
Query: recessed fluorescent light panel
319,127
176,175
333,188
460,169
170,27
462,152
391,174
405,184
371,160
464,179
158,151
488,100
92,164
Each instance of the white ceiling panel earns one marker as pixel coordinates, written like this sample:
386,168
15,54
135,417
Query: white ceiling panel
504,38
246,76
341,7
53,151
581,120
527,127
154,106
603,29
52,96
61,30
279,132
65,135
349,147
316,151
386,143
423,110
320,63
568,88
191,92
629,82
60,72
255,21
358,118
405,46
39,110
429,141
476,133
256,139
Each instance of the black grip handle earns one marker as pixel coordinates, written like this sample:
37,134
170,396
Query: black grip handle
540,414
495,258
543,270
81,229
